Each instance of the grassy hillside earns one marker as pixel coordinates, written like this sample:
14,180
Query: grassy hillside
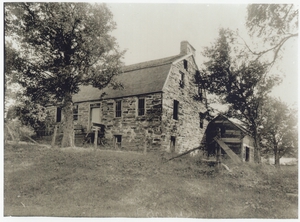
83,182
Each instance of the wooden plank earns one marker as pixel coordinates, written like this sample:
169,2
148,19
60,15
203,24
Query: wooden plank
228,151
233,132
231,140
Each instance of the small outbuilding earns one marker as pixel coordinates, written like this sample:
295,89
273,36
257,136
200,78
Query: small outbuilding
227,137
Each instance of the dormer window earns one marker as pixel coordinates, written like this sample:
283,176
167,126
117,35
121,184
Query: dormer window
181,83
185,65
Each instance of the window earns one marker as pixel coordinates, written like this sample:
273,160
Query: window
175,109
172,144
185,65
118,141
118,108
58,114
201,115
200,86
141,107
200,93
181,83
75,112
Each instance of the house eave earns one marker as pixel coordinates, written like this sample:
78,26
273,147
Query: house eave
118,97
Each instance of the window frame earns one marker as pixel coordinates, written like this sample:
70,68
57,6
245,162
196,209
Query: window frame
172,144
185,64
181,82
118,112
117,143
139,109
58,114
175,109
75,112
201,122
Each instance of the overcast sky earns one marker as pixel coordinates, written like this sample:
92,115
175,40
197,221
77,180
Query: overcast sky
153,31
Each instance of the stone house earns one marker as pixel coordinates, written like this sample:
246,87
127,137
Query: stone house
155,111
233,134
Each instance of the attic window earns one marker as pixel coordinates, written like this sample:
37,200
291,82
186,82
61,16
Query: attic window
185,65
181,83
118,109
175,109
141,107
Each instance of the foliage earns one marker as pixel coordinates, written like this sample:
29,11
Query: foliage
29,114
16,131
238,81
279,133
62,46
275,24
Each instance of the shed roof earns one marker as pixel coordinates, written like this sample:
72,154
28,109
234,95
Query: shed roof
141,78
235,122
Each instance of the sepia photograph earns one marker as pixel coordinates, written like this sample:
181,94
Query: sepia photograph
119,109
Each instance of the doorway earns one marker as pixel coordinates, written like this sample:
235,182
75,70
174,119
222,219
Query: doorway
247,157
95,114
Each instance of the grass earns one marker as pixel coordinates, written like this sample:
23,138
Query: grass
73,182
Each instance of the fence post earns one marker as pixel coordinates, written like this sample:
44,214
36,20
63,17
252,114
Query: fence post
96,137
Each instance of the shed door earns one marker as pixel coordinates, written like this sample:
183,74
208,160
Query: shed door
247,154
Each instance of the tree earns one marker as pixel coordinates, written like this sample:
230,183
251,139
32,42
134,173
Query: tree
275,24
279,132
63,46
239,82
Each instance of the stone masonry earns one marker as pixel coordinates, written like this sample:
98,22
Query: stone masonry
186,130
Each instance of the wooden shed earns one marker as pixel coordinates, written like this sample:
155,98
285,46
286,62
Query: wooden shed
226,137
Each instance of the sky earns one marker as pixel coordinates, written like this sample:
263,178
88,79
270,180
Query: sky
152,31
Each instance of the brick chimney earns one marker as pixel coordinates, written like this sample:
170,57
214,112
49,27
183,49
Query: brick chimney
186,48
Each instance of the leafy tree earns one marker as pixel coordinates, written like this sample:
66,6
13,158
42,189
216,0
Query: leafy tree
62,46
239,82
275,24
279,132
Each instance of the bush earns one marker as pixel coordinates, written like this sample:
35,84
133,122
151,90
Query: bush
16,131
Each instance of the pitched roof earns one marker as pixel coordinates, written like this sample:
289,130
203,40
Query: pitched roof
137,79
236,122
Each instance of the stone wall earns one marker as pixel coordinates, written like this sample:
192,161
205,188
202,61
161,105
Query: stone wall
139,133
186,130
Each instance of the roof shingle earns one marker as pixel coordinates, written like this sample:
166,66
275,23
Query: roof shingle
137,79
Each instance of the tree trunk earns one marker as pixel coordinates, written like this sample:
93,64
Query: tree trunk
68,129
277,157
257,155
